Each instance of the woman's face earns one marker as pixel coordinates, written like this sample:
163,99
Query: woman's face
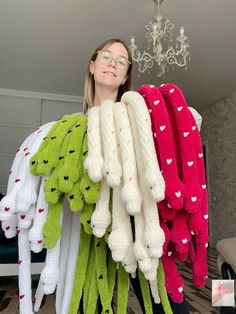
107,69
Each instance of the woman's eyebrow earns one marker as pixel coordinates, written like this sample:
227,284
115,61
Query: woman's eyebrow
118,55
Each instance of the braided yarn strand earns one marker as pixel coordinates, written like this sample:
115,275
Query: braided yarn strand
94,160
152,173
130,192
112,170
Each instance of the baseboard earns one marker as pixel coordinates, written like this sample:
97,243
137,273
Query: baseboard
12,269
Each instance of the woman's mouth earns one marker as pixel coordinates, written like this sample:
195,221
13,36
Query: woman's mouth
110,73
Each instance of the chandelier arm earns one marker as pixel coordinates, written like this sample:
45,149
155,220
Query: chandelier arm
173,56
168,27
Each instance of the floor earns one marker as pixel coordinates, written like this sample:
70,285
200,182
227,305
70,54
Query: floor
198,300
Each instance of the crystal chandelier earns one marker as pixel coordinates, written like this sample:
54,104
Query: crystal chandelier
159,36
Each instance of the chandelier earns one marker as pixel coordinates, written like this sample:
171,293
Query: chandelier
159,36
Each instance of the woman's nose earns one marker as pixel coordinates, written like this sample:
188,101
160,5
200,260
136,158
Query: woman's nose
112,62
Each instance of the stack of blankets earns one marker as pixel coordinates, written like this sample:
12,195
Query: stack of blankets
115,193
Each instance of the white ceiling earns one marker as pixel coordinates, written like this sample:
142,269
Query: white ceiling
45,44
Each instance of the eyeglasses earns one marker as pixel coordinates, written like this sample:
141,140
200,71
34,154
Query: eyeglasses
106,57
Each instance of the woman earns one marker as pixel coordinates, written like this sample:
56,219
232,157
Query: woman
109,75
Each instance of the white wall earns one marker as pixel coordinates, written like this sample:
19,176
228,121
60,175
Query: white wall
20,113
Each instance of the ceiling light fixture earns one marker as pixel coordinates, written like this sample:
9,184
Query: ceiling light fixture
159,36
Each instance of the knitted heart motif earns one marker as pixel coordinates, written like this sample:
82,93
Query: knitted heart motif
166,211
169,161
162,127
180,289
178,194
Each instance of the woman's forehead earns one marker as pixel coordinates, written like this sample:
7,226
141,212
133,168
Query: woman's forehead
117,47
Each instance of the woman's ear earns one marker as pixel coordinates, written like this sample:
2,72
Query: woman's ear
91,67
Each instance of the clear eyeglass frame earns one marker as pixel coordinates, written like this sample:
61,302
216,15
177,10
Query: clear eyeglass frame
106,57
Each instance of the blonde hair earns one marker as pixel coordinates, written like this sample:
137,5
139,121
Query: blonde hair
89,85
